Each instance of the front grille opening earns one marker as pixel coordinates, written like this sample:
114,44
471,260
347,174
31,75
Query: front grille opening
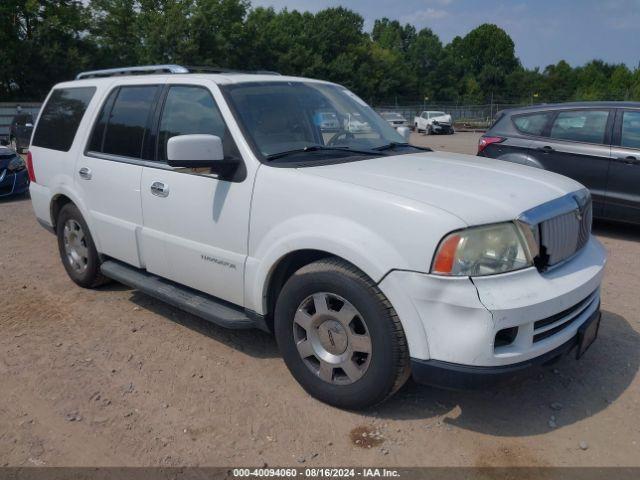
573,313
505,337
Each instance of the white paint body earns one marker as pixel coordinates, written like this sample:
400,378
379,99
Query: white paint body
384,215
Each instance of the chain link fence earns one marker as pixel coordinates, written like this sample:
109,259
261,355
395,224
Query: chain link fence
472,117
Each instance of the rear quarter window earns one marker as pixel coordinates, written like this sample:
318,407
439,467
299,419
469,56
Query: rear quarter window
61,117
532,123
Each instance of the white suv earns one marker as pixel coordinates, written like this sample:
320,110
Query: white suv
370,259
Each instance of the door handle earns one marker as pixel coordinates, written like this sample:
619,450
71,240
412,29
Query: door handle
159,189
85,173
545,149
629,160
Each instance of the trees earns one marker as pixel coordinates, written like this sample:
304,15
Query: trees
47,41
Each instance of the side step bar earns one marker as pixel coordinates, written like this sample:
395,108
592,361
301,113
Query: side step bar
200,304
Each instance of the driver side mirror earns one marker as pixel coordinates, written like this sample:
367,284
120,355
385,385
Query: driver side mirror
405,132
202,151
194,151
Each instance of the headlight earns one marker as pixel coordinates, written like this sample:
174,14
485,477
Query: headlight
486,250
16,164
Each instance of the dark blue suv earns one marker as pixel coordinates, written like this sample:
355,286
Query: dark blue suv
14,178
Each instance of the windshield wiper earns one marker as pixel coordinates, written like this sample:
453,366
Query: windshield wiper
316,148
394,145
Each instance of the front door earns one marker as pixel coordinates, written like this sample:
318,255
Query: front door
195,225
623,189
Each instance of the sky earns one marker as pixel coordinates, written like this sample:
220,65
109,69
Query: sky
544,31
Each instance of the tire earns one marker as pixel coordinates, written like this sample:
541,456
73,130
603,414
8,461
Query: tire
83,267
372,377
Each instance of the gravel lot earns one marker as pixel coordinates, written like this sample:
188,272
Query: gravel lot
112,377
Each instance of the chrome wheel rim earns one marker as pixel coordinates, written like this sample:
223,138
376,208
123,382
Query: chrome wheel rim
332,338
75,246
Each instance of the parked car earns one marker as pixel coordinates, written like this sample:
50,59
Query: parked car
20,131
370,259
595,143
433,122
14,178
355,123
395,119
328,121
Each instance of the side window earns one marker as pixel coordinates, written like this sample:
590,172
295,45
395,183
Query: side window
192,110
532,123
630,129
61,117
580,126
97,136
127,123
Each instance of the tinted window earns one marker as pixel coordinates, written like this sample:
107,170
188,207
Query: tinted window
128,121
631,129
192,110
580,126
95,143
61,116
532,124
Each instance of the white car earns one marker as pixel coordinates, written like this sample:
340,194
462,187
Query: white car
431,122
369,258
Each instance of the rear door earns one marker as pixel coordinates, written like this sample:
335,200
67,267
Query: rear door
623,189
577,144
108,173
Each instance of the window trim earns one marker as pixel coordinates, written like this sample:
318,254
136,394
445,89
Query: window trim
546,127
110,156
75,135
606,141
617,129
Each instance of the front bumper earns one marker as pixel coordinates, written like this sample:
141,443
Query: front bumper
441,128
453,322
13,183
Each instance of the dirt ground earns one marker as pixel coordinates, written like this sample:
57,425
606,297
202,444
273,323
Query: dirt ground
112,377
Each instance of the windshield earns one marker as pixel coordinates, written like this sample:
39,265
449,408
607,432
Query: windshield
290,116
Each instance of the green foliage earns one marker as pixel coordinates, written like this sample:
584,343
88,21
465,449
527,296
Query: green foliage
48,41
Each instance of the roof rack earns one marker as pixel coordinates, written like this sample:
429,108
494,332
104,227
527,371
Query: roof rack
172,69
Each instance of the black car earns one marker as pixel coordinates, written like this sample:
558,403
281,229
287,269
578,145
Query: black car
595,143
20,131
14,177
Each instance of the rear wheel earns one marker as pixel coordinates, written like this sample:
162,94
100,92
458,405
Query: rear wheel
77,250
339,336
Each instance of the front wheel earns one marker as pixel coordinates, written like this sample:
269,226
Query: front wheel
339,335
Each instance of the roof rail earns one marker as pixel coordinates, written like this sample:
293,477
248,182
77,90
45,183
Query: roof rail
150,69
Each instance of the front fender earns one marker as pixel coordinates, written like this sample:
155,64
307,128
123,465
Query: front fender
337,236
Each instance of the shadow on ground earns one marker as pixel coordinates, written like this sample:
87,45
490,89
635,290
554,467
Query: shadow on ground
255,343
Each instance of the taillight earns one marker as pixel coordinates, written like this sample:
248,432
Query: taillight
484,142
32,173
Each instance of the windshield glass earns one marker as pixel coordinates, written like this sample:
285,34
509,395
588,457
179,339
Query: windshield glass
286,116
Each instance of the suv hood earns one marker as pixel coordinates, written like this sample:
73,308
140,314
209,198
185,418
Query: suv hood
477,190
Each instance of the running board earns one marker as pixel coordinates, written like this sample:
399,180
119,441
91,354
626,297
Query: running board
200,304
